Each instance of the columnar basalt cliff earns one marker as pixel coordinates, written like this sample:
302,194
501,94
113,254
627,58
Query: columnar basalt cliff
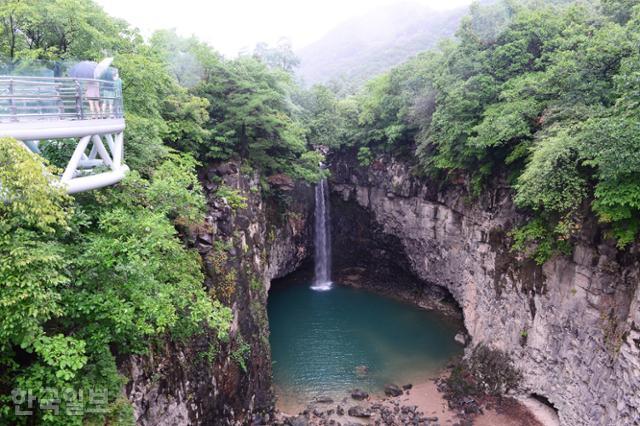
572,326
204,380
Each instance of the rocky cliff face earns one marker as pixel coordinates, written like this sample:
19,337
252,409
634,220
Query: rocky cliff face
572,326
203,380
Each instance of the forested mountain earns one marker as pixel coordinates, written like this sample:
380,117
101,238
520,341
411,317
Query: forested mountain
368,45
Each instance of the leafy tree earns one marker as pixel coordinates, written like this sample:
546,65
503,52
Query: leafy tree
52,29
180,55
159,112
251,117
280,56
330,122
619,10
553,180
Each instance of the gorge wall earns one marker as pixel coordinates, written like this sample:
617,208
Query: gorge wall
204,380
571,326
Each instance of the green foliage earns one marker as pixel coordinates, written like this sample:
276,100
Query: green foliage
280,56
241,354
619,10
232,197
619,205
329,121
256,285
307,168
32,212
553,180
64,354
52,29
29,200
181,56
540,241
504,122
252,117
135,280
175,190
365,156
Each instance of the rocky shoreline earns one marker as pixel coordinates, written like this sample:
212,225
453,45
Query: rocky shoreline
425,404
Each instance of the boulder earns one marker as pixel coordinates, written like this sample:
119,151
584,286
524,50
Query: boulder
392,390
205,238
359,395
359,411
460,338
299,421
362,370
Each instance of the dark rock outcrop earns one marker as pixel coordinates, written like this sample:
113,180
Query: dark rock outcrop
359,395
392,390
359,411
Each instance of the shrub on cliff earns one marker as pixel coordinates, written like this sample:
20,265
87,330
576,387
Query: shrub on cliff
485,372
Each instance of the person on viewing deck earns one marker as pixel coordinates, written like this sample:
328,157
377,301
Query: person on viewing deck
109,91
85,69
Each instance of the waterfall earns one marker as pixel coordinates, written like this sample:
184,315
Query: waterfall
322,257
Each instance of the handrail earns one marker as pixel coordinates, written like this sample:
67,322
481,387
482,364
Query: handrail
29,98
36,108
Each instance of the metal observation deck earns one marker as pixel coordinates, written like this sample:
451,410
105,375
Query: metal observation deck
87,111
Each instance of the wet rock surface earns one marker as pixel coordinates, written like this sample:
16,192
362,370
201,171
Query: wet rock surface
359,395
392,390
359,411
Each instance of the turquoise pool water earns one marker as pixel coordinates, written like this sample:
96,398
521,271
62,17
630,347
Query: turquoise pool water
325,343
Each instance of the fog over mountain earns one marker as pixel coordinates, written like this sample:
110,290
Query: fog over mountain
367,45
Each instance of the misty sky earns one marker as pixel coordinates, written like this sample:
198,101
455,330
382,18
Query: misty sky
233,25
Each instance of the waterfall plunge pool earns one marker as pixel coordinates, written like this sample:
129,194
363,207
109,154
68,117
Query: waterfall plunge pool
326,343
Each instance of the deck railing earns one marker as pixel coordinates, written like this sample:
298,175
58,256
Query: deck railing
27,98
44,107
